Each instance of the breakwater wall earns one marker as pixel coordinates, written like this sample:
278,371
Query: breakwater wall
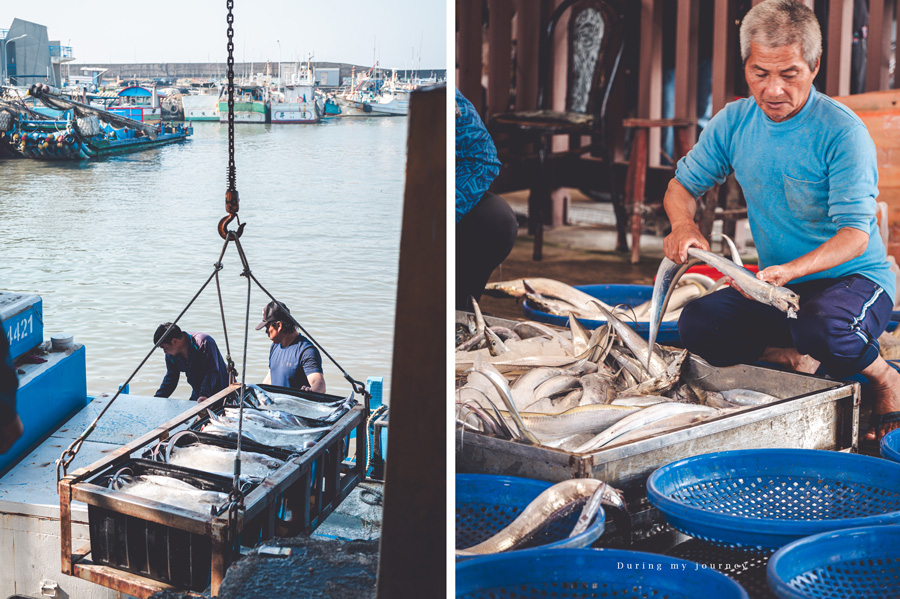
218,70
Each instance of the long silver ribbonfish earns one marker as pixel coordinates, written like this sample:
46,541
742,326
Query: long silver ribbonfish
552,505
669,272
170,491
220,460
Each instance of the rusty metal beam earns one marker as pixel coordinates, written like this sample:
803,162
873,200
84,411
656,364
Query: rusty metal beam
119,580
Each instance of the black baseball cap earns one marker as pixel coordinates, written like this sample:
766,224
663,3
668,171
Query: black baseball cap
273,313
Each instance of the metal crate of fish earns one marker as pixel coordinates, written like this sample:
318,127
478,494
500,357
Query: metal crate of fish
639,434
150,532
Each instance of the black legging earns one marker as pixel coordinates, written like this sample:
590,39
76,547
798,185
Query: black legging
484,238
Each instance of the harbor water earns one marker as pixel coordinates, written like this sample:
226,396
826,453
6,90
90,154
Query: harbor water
117,246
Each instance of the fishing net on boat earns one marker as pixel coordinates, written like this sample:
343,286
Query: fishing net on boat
6,121
88,126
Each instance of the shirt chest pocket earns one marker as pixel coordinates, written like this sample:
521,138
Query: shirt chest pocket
807,200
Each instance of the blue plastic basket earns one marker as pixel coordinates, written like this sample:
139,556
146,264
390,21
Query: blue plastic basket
842,564
629,295
765,498
486,503
890,445
582,573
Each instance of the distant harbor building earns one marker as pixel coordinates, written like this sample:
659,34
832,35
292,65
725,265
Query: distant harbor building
328,77
28,56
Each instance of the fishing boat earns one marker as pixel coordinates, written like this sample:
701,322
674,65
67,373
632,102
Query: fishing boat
296,102
137,103
97,133
87,138
251,104
201,107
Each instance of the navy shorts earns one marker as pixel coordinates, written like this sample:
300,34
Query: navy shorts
838,324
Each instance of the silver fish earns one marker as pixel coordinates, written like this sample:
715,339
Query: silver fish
667,276
581,419
506,395
662,383
494,343
639,419
171,491
781,298
747,397
654,364
220,460
735,255
479,317
554,504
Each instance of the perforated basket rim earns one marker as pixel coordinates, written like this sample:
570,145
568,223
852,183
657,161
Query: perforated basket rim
780,527
599,557
890,444
776,574
593,532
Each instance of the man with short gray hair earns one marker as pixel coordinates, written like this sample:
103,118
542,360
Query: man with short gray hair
807,167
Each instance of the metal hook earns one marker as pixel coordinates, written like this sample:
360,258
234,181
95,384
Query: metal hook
223,227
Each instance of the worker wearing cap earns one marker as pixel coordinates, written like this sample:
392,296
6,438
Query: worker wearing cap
294,362
195,354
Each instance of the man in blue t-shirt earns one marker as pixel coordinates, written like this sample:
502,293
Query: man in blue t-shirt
807,166
195,354
294,362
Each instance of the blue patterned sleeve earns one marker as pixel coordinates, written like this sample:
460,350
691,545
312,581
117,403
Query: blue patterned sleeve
476,157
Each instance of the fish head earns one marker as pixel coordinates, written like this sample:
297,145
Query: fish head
787,301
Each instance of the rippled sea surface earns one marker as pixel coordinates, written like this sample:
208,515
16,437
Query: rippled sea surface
117,246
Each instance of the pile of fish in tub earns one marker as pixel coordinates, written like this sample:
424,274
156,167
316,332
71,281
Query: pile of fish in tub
274,428
579,390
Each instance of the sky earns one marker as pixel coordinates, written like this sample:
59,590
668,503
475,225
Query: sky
398,34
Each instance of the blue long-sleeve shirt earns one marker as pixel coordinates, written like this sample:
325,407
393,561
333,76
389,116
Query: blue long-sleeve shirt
205,368
804,179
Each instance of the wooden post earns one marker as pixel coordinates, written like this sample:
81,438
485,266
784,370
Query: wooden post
468,14
637,169
650,82
528,25
840,44
686,62
413,560
724,44
499,55
878,53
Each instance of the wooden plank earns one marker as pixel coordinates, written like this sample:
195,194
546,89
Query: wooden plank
880,112
687,31
840,44
639,174
724,46
499,55
879,44
528,25
468,78
650,74
415,493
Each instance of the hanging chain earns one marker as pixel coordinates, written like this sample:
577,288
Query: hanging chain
232,200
